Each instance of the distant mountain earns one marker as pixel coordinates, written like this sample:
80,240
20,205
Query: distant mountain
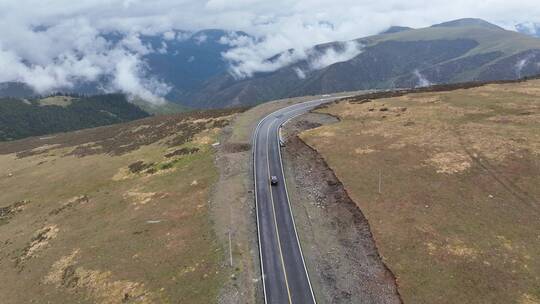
529,28
20,118
396,29
456,51
465,22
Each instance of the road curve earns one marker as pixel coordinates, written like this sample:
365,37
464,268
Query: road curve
284,274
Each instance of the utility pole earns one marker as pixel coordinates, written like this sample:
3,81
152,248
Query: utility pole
230,248
230,232
380,180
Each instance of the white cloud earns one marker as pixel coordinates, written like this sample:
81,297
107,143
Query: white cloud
347,51
522,63
200,39
62,55
300,73
127,78
422,80
169,35
250,56
57,43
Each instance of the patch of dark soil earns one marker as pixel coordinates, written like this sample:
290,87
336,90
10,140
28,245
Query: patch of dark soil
182,151
39,238
27,153
69,277
151,171
336,235
83,199
409,123
139,166
364,101
235,147
220,123
306,125
7,213
123,138
186,133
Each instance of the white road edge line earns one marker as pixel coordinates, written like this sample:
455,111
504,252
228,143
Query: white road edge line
274,211
292,215
254,149
287,192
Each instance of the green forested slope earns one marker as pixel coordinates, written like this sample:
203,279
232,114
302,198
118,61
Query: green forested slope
21,118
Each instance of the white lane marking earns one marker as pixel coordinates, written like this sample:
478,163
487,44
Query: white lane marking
255,136
254,140
292,215
274,212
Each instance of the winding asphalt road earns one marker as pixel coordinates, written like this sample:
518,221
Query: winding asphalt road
285,276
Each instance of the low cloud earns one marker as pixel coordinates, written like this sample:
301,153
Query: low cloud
249,56
522,63
58,44
62,56
300,73
129,77
344,52
422,80
340,52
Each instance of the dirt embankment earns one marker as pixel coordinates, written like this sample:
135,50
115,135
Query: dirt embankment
341,255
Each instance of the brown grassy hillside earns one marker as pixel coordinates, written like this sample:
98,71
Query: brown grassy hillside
115,214
457,213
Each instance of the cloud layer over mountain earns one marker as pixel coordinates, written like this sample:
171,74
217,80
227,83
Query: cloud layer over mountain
58,44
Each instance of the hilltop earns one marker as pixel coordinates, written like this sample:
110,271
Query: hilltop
457,51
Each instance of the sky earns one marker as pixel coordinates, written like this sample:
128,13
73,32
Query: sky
53,44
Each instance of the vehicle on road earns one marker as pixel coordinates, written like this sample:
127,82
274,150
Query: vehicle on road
273,180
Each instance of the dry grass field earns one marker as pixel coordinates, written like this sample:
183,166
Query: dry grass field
116,214
449,184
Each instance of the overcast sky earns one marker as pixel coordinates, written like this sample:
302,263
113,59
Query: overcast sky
54,43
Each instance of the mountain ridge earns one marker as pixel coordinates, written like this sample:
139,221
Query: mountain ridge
460,50
456,51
